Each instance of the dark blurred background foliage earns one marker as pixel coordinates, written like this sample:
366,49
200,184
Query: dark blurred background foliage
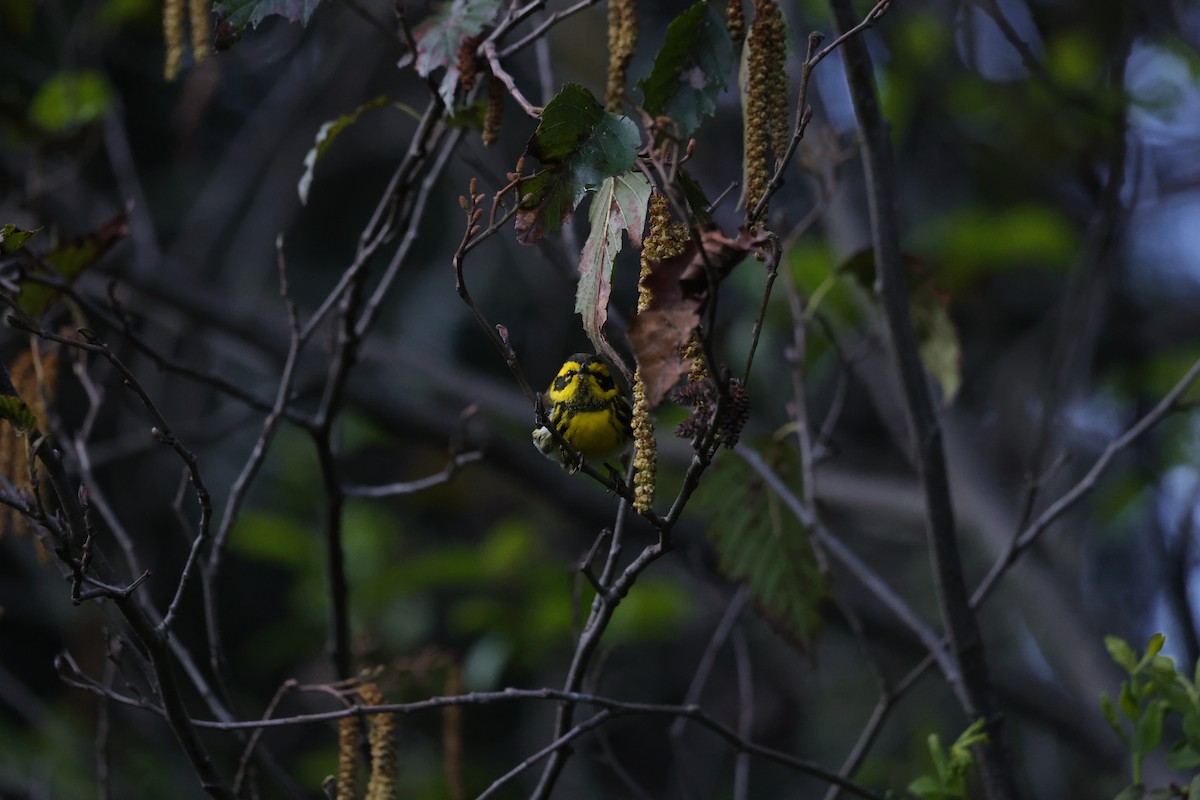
1073,305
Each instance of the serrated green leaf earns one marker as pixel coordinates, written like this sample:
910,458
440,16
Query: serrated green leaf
1121,652
69,260
765,549
240,13
690,69
13,238
579,145
325,136
18,414
70,100
620,205
441,34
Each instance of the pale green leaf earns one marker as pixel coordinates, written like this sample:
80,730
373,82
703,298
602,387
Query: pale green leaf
619,205
325,136
690,69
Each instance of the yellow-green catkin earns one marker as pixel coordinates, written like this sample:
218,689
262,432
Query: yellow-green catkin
495,111
766,96
173,37
664,240
735,19
622,39
347,771
382,735
199,14
693,353
645,450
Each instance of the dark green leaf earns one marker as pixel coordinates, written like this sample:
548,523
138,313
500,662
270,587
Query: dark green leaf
694,195
241,13
620,205
70,100
68,260
690,69
579,144
13,238
760,543
325,136
14,409
440,36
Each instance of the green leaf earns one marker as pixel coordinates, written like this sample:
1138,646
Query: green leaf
13,238
1110,715
1155,645
70,100
240,13
69,260
442,33
694,195
1183,757
690,69
1149,730
620,205
1127,702
15,410
1132,792
1121,652
1194,789
937,339
926,787
325,136
760,543
579,144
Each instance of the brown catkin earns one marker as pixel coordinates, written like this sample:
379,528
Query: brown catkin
645,449
622,40
495,111
382,735
199,14
766,79
735,18
347,772
173,37
468,68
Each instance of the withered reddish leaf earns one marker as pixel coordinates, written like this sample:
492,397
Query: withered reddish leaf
678,293
69,259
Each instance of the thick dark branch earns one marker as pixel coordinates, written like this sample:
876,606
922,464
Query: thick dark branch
958,617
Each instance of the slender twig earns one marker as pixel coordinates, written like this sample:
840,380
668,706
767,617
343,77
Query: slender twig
500,74
244,762
412,487
539,30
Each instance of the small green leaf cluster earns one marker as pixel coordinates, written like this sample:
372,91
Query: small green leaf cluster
950,767
1154,690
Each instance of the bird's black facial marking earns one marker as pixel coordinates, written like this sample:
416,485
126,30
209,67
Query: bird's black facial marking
563,379
600,375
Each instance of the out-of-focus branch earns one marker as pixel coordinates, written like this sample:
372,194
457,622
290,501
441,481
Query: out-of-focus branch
958,616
